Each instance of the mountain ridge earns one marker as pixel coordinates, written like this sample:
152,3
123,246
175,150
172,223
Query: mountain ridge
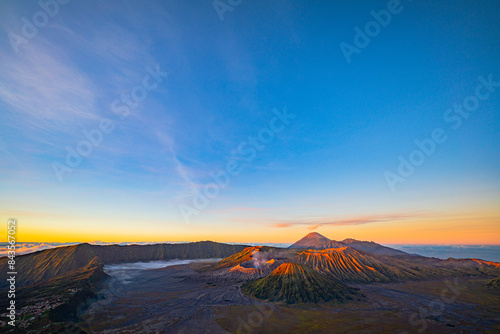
50,263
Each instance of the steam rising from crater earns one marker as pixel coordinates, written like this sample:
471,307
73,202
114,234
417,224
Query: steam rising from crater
259,259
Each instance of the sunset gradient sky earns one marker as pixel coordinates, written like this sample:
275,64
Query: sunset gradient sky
324,170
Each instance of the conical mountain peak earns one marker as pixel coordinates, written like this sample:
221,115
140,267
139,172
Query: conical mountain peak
315,235
312,240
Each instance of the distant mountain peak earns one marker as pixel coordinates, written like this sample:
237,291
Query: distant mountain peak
312,240
315,235
349,240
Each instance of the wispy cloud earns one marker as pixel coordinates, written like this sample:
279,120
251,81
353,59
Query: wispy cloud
44,88
182,170
48,95
313,224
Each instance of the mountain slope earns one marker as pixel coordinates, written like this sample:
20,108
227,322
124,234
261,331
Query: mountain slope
237,258
494,284
78,279
295,283
49,263
350,265
459,267
372,247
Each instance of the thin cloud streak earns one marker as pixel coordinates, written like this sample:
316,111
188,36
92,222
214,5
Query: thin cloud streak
327,221
45,89
183,171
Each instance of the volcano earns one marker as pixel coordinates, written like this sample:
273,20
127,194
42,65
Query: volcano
296,283
317,269
314,240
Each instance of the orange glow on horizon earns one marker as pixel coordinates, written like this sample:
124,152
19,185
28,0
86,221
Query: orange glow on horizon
396,236
467,230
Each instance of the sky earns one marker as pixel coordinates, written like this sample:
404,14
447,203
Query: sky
250,121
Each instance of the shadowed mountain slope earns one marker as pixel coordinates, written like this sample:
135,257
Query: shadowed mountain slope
494,284
62,296
81,278
461,267
193,250
295,283
48,264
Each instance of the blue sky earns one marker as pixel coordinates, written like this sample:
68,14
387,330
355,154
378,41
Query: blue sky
324,170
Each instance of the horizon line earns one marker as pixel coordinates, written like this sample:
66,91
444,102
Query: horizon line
241,242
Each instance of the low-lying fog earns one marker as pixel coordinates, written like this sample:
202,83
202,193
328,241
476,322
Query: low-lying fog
124,272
